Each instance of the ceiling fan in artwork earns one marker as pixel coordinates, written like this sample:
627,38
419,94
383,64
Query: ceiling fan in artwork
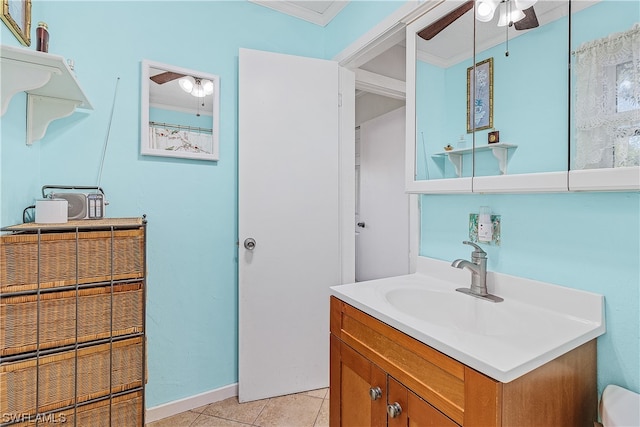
517,13
196,86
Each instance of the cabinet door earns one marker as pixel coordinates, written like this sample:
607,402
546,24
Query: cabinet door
414,412
358,389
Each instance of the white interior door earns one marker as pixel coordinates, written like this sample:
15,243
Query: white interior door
382,242
289,204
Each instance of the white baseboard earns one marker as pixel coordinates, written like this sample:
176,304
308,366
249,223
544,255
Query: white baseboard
188,403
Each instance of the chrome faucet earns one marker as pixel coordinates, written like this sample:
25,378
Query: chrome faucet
478,267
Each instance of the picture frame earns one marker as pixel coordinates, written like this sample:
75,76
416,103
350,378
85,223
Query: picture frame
16,14
480,96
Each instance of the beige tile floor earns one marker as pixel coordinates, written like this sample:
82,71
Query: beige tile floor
308,409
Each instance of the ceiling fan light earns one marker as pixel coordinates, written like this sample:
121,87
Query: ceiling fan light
505,18
186,83
207,85
198,90
485,10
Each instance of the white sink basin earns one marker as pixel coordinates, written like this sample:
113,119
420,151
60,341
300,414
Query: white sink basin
451,309
535,323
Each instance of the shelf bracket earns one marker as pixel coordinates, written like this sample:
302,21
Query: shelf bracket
42,110
19,76
456,161
501,154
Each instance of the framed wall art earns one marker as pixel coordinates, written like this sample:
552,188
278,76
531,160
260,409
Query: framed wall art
16,14
480,96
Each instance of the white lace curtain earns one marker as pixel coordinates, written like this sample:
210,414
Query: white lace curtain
608,101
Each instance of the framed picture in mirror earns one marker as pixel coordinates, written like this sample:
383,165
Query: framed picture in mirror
16,14
480,96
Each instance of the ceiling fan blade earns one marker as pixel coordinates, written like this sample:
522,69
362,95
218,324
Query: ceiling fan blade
529,21
165,77
432,30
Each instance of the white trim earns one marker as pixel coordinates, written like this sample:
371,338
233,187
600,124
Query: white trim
294,9
440,186
540,182
188,403
608,179
346,190
380,84
389,32
414,233
383,36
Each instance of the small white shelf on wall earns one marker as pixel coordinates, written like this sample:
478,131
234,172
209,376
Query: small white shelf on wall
500,151
52,89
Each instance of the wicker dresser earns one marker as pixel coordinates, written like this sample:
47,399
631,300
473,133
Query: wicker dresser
72,323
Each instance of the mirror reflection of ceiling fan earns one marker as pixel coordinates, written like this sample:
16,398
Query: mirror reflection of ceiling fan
165,77
196,86
517,13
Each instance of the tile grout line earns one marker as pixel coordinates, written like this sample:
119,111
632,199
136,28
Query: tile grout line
253,423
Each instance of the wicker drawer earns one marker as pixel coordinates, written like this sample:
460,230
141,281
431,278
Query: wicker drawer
58,263
126,411
57,318
56,375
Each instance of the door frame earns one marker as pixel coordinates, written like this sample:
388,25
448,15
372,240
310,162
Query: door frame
386,34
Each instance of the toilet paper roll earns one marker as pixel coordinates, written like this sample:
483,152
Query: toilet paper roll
52,211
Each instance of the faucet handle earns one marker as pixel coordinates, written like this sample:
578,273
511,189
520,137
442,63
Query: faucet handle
478,250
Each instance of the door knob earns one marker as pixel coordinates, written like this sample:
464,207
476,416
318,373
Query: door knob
394,410
249,243
360,224
375,393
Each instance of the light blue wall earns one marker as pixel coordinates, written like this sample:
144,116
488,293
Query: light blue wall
588,241
191,205
161,115
528,111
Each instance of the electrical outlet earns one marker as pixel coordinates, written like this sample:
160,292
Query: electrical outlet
473,229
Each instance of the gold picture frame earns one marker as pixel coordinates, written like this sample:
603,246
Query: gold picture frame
481,117
16,14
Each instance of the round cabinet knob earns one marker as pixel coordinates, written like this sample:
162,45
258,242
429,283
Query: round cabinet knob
249,243
394,410
375,393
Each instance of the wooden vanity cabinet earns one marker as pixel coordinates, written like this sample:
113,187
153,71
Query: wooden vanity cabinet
433,389
362,390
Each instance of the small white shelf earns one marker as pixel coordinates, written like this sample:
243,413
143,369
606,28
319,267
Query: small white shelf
52,89
500,151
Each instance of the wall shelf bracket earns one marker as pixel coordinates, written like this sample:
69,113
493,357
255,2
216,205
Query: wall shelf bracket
52,89
500,152
42,110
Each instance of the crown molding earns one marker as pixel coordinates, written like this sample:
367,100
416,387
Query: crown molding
296,9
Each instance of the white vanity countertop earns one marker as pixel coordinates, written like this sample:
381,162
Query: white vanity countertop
536,323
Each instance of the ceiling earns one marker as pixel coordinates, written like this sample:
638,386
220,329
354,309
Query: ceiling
317,12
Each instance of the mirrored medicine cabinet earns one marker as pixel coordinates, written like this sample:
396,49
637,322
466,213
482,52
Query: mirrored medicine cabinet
494,108
179,112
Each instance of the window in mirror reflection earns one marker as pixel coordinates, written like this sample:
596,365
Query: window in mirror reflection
607,86
608,108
